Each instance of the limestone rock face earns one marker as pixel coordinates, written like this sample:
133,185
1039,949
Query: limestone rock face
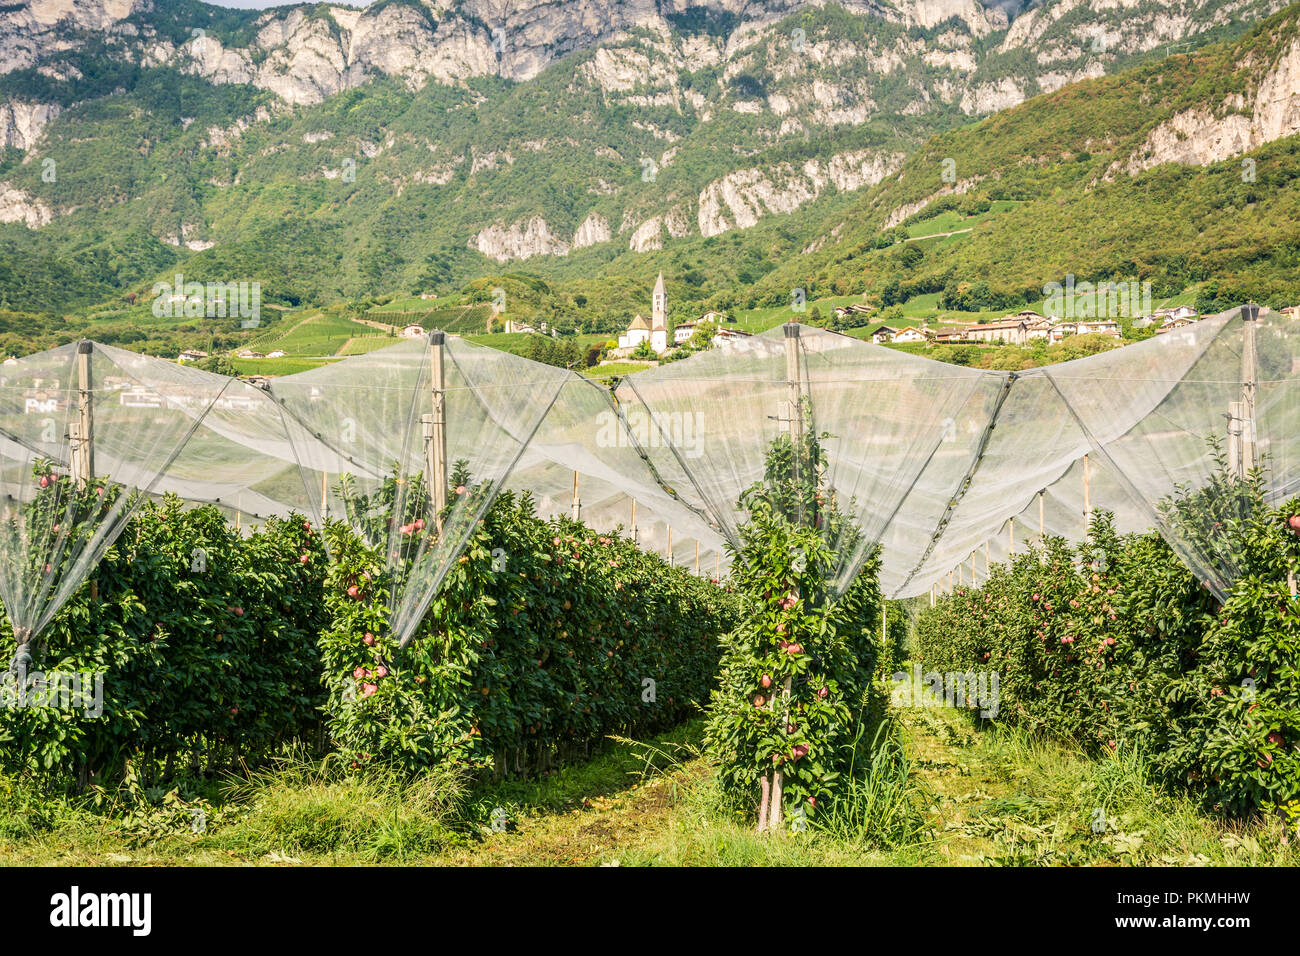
21,123
1200,136
519,240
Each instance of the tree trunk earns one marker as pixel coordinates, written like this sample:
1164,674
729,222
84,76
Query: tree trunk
765,786
776,811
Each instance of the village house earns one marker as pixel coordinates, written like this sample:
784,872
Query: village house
413,332
909,335
191,355
1037,326
278,353
140,396
682,333
1011,331
249,354
883,334
1085,327
855,308
1183,314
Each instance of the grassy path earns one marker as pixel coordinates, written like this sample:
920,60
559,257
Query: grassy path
990,798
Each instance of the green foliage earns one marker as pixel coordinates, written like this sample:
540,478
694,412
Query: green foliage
1116,644
793,698
205,641
544,639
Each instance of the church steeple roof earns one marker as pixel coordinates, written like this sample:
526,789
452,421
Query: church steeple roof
660,301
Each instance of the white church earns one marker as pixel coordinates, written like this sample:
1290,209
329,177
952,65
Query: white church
656,330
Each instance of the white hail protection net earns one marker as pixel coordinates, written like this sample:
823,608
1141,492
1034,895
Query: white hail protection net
584,451
952,469
65,499
364,430
949,469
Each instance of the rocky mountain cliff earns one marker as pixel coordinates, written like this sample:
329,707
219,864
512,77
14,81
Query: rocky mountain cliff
421,141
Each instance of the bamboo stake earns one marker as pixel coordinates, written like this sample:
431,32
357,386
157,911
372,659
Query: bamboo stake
577,502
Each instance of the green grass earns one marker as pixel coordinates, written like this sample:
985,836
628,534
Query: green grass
611,369
278,366
934,791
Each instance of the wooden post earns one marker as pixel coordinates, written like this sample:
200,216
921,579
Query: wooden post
670,546
987,562
775,810
973,580
1087,491
1290,583
792,377
577,502
932,590
324,495
949,582
1042,523
1249,385
435,432
633,521
1011,536
697,559
1235,422
82,432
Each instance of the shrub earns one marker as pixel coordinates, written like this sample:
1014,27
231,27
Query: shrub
544,639
205,643
1117,643
796,671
